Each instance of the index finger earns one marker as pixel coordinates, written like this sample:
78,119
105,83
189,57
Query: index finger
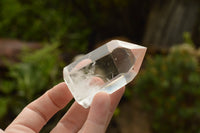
34,116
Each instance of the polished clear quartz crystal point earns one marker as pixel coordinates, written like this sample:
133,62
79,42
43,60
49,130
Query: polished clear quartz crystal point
107,69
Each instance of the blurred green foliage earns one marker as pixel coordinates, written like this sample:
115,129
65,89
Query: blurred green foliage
169,87
28,79
46,20
75,24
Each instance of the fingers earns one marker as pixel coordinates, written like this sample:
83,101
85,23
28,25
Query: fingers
36,114
73,120
98,115
115,99
81,64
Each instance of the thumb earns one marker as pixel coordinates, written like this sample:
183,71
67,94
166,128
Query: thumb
98,114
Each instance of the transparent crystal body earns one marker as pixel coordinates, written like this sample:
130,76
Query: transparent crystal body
107,69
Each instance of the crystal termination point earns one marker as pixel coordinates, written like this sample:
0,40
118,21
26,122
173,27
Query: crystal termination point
107,69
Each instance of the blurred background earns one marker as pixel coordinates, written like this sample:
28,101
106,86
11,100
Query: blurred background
39,37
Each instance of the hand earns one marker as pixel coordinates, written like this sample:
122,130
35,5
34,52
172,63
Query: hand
78,119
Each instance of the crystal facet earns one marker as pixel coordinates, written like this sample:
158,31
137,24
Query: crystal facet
107,69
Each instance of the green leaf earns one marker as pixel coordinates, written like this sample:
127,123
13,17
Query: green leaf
3,106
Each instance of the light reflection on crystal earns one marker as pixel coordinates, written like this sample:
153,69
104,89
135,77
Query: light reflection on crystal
116,66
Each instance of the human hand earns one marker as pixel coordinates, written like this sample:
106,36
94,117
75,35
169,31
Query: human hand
77,119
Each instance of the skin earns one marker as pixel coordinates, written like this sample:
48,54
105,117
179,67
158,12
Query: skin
78,119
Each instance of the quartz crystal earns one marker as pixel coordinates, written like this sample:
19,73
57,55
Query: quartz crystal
107,69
